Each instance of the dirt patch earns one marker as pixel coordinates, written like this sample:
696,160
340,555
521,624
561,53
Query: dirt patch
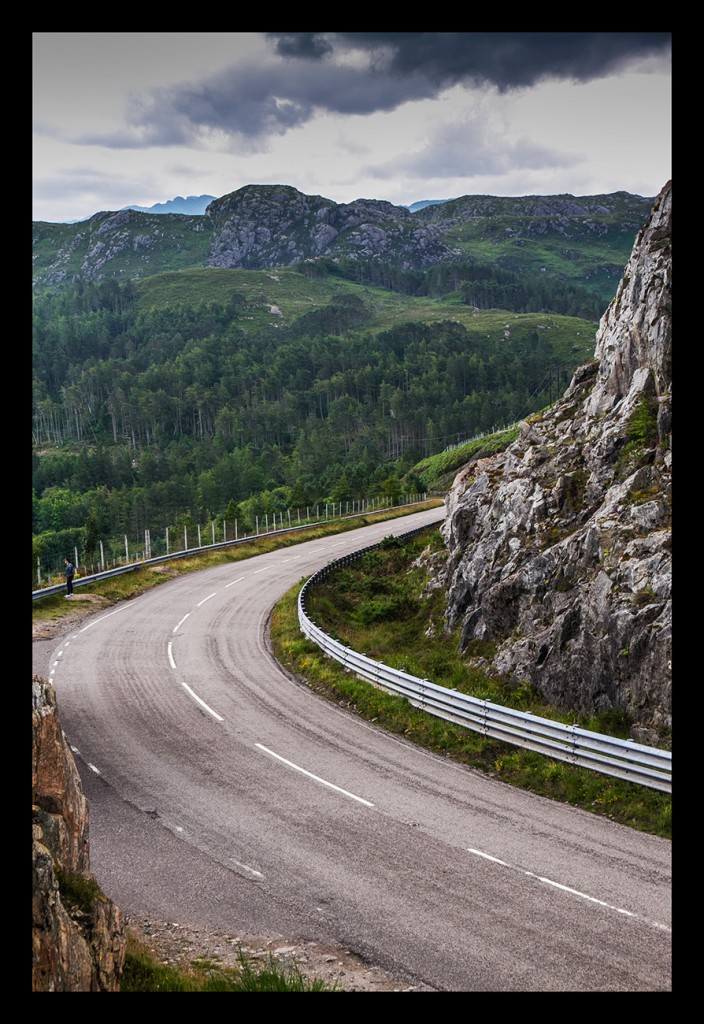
82,606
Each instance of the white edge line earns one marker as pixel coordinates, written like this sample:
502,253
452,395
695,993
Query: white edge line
246,867
316,777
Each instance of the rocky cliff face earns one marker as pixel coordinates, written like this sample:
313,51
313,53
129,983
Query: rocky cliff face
78,941
560,566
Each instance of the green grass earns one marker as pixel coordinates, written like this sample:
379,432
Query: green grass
294,294
437,470
78,892
144,973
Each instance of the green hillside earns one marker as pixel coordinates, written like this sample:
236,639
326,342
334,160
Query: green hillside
292,294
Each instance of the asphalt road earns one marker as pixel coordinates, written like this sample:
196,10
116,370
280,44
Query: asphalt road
224,794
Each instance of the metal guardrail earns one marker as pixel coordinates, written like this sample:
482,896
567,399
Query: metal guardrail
623,759
82,581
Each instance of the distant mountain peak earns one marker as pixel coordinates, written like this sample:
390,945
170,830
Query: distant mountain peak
422,203
192,206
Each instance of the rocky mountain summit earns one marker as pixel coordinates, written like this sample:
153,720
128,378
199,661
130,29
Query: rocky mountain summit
276,225
560,565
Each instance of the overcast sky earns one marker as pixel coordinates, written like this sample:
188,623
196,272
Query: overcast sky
139,118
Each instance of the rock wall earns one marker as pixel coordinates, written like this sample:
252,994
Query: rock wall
560,565
78,939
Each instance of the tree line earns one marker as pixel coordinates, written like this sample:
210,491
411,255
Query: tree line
479,284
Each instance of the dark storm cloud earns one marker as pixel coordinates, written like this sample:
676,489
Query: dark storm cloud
250,102
506,60
300,44
253,100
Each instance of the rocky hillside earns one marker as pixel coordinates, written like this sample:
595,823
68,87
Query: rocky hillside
78,939
276,225
560,565
584,240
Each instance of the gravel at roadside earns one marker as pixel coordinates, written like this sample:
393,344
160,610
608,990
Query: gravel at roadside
179,945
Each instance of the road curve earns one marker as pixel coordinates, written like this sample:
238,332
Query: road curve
225,795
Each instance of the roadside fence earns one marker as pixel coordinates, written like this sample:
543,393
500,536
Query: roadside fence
119,553
134,561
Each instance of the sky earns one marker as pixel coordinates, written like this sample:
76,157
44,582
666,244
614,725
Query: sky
138,118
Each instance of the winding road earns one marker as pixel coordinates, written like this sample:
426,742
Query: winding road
225,794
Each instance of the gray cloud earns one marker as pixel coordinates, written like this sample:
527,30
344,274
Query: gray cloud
506,60
250,102
300,44
470,150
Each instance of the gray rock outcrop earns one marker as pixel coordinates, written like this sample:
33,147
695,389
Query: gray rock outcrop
276,225
560,565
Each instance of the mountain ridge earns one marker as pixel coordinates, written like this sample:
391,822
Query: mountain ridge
584,240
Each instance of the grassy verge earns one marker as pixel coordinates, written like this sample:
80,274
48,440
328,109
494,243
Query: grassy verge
143,973
379,605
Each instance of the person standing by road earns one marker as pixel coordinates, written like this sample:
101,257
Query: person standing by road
70,570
